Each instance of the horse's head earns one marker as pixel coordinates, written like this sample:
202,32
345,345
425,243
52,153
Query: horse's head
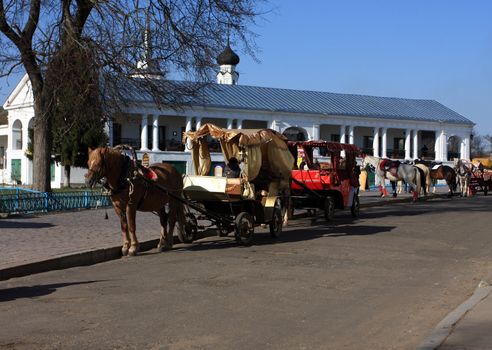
96,166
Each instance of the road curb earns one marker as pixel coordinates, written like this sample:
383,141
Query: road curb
105,254
442,331
72,260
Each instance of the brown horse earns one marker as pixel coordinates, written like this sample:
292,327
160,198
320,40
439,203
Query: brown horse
438,171
444,172
130,192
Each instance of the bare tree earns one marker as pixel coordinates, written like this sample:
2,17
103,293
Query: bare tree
477,146
175,41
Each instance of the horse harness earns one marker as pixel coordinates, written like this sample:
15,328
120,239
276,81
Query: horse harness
130,172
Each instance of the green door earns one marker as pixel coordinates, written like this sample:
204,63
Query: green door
52,170
16,169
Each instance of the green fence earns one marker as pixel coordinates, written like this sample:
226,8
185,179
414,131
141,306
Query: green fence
18,200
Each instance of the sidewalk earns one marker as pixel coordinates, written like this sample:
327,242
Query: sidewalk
467,327
47,242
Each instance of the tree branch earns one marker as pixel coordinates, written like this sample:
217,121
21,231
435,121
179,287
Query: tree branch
32,22
6,28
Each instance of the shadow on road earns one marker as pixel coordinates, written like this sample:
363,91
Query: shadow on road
22,225
10,294
425,207
292,236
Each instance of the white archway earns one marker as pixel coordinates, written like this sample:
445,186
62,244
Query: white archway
17,135
454,147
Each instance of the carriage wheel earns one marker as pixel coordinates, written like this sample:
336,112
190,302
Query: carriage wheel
244,228
188,235
355,208
329,208
276,223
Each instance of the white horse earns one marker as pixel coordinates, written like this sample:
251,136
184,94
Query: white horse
406,172
463,173
401,186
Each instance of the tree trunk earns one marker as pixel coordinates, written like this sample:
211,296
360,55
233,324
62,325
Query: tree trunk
66,181
42,148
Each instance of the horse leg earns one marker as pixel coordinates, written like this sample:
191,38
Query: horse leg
382,187
164,243
399,187
131,214
124,230
393,187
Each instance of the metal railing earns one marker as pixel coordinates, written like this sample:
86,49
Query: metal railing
19,200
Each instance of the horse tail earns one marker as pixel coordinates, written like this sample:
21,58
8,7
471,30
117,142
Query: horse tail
418,180
423,180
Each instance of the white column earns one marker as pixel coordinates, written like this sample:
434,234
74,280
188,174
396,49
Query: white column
316,137
229,123
239,123
444,146
375,142
407,143
109,131
415,144
316,134
351,134
343,131
437,146
467,154
155,133
274,125
384,153
189,122
144,134
25,135
198,124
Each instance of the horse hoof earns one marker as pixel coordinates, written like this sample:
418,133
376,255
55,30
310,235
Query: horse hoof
133,250
124,251
164,246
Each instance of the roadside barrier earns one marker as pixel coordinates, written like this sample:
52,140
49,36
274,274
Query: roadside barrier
20,200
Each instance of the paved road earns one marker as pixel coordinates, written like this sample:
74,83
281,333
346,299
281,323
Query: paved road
381,282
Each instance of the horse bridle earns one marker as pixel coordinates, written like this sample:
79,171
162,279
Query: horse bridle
99,174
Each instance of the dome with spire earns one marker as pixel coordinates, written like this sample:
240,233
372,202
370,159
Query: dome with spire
228,57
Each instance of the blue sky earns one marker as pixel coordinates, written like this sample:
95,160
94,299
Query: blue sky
429,49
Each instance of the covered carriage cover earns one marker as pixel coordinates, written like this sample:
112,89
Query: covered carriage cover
260,151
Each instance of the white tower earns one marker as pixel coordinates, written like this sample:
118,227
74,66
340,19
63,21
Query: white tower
227,61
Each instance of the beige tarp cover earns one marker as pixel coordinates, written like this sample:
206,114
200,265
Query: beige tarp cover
257,149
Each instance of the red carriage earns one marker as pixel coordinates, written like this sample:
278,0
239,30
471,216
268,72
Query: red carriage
480,179
329,184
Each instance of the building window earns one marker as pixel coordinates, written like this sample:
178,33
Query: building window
162,137
398,147
367,145
295,134
335,138
116,134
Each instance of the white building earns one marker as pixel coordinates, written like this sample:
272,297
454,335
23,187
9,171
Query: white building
382,126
